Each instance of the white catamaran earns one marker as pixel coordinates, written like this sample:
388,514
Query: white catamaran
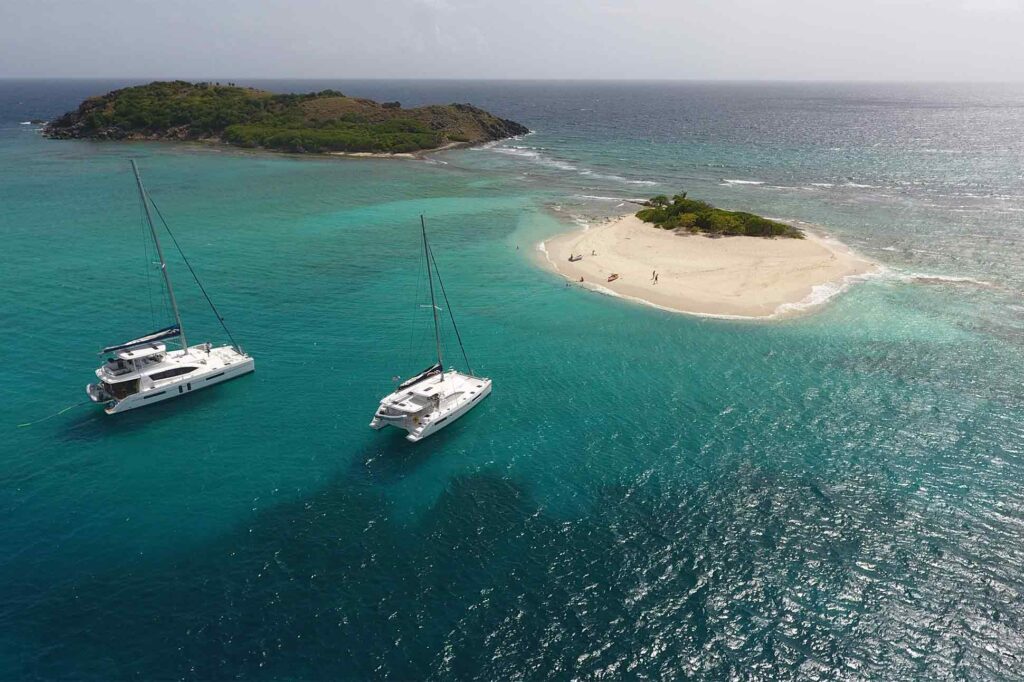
143,371
434,398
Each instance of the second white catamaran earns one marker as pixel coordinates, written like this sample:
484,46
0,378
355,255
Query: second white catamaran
143,371
434,398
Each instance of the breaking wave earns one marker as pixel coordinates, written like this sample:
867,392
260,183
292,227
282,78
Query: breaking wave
925,278
538,155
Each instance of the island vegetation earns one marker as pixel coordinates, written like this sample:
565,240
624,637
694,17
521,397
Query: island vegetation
691,215
325,121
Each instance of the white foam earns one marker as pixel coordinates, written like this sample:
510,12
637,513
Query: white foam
537,154
582,222
822,184
819,296
534,155
25,123
925,278
602,198
743,182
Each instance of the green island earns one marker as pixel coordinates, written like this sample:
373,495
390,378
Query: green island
319,122
691,215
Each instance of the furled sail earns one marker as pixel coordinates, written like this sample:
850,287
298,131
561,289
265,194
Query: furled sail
166,333
433,370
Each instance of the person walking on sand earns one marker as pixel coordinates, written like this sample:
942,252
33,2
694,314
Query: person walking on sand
655,278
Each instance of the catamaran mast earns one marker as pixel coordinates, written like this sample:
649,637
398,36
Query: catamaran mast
433,303
163,263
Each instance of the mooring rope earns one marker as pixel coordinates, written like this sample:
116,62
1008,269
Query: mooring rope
55,414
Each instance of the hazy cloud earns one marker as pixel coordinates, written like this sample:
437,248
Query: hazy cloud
696,39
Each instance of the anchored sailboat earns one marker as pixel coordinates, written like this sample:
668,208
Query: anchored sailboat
143,371
434,398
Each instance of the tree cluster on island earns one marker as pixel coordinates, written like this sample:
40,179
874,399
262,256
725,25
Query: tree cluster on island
691,215
325,121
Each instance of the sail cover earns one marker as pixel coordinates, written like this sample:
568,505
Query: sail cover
433,370
166,333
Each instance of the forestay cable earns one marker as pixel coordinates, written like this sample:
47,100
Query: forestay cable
194,275
448,305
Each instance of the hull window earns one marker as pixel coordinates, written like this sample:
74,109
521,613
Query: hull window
167,374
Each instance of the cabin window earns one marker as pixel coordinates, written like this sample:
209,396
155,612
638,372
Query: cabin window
168,373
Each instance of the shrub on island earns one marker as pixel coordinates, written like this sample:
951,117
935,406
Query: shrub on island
681,213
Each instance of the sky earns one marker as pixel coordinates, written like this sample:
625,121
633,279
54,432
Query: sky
872,40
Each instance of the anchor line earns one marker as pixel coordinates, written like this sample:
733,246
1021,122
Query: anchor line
55,414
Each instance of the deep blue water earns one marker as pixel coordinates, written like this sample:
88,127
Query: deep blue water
645,494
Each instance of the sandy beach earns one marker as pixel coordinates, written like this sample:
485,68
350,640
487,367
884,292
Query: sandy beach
727,277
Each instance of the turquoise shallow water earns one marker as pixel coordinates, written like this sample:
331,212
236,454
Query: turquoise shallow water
835,495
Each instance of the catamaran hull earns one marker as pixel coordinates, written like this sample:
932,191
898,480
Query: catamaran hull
187,384
417,431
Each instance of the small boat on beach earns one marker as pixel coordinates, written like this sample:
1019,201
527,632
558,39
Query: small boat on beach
434,398
612,277
573,259
144,371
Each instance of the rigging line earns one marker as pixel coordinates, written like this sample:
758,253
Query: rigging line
448,305
415,330
194,275
433,300
147,263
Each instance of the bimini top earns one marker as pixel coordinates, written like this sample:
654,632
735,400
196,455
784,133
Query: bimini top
149,339
140,352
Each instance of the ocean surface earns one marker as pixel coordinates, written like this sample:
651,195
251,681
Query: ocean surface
645,494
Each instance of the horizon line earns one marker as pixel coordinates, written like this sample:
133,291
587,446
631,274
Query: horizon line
208,79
